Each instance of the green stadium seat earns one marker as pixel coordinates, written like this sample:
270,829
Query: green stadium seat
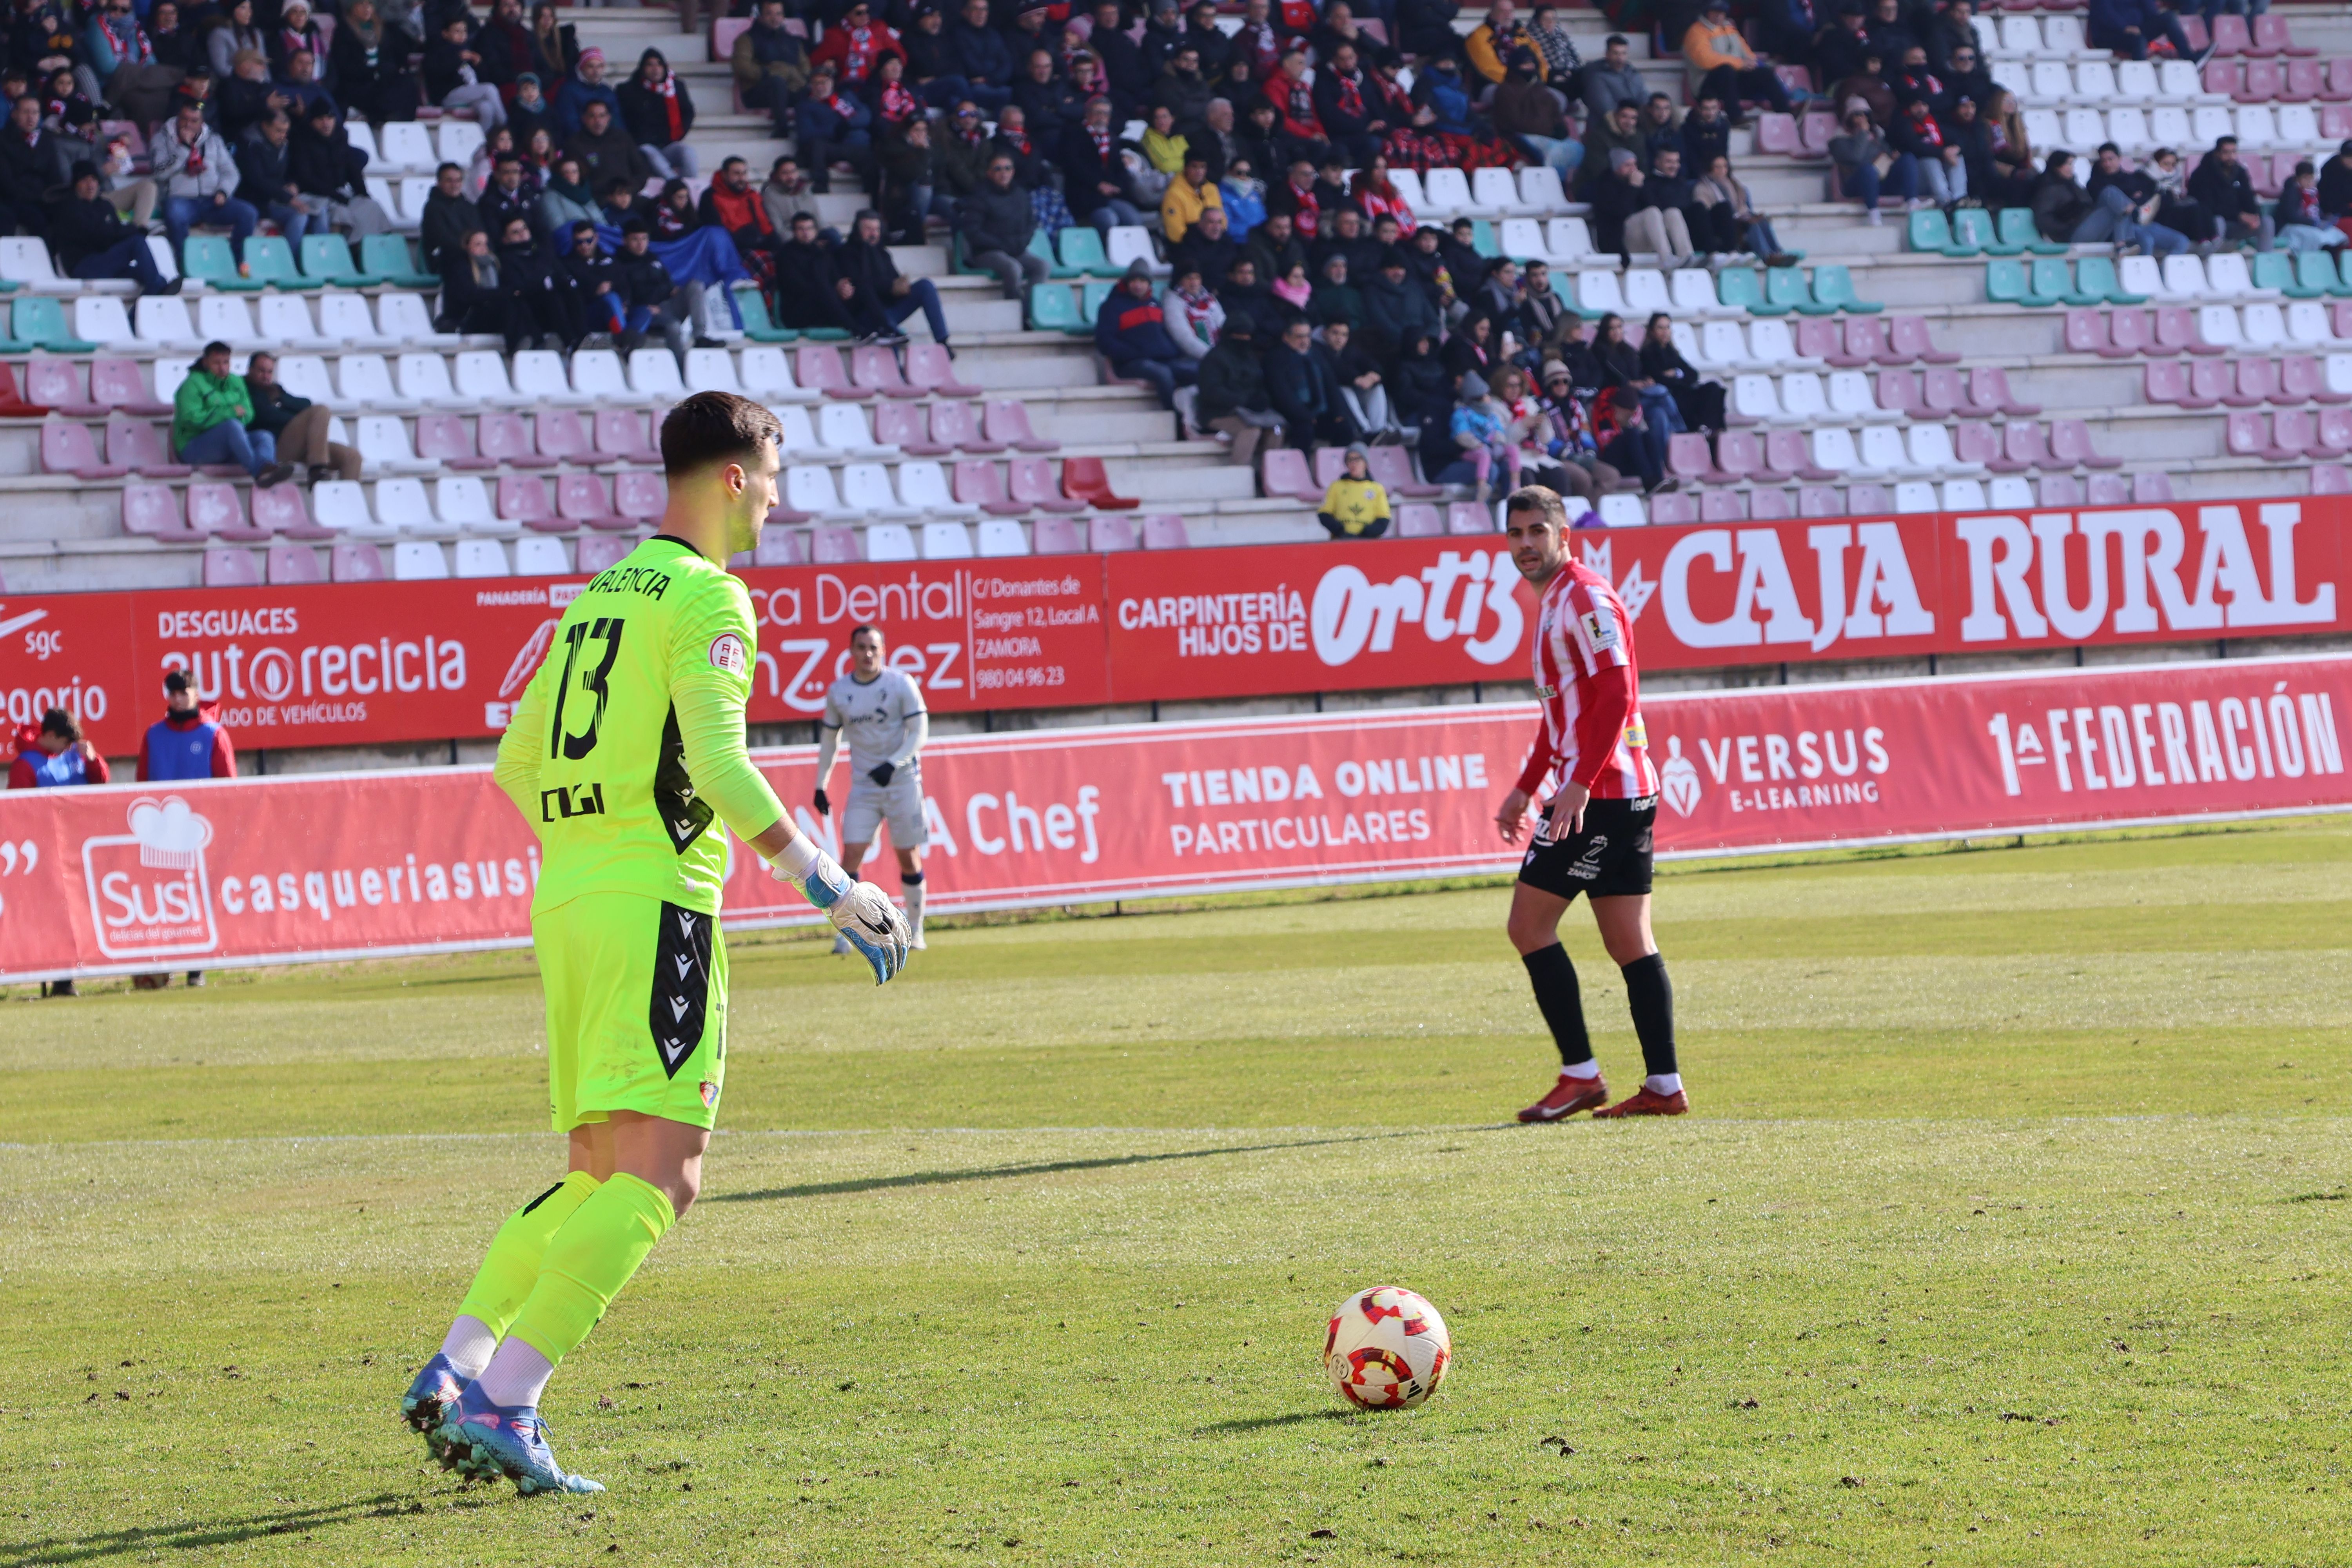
1738,289
269,259
1972,235
1834,290
1082,255
752,306
1785,287
1482,238
2277,269
326,258
1930,229
386,257
207,258
2095,283
1040,245
1053,308
39,320
2048,281
2017,228
2330,263
1091,296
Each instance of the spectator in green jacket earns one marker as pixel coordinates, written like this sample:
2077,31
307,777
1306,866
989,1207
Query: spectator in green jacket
208,417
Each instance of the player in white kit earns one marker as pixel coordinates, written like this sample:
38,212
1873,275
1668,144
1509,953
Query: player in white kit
882,713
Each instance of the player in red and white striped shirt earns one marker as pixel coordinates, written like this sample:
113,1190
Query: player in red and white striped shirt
1593,835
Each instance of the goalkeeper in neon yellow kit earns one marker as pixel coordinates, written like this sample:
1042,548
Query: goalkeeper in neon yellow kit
625,754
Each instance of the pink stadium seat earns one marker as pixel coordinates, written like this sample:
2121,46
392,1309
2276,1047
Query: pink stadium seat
1899,389
445,438
2176,331
2211,381
595,553
2167,381
2264,81
1165,530
2247,435
152,511
1818,500
1393,466
582,498
1787,456
226,567
957,426
2337,90
522,498
67,447
562,437
2294,436
1777,134
2107,489
1419,520
2336,430
1031,481
837,546
292,565
1818,337
2227,76
2271,37
1769,504
115,384
1008,421
1469,517
2256,380
2302,380
1946,392
280,509
1330,462
1739,455
1057,536
818,368
1988,394
2330,479
1673,506
621,437
1814,133
2131,331
930,367
2023,440
1866,342
1866,500
778,547
2305,80
905,426
639,495
876,368
1687,458
2059,490
2086,331
55,382
1284,473
215,508
506,439
2070,443
2231,36
1108,533
1974,441
1713,506
141,444
356,563
980,483
2151,490
1909,342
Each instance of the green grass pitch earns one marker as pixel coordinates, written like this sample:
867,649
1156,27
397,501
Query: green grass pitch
2010,1228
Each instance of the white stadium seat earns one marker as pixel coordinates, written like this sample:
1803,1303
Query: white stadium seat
462,502
843,427
383,444
539,373
890,541
344,318
1915,495
1000,536
162,321
482,558
364,381
540,556
286,320
418,560
946,542
481,376
423,379
401,503
101,319
708,370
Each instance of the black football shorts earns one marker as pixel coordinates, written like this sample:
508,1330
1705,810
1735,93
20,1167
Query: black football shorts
1608,856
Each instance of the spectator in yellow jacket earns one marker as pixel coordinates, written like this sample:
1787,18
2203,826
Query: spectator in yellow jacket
1490,44
1355,505
1189,196
1721,65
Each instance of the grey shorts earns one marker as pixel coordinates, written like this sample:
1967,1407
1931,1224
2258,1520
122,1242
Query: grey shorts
900,802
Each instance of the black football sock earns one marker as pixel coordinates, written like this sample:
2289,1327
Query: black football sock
1650,996
1554,979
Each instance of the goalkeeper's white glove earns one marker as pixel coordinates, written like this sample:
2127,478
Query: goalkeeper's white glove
860,912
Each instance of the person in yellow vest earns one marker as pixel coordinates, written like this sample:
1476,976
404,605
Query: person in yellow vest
1355,505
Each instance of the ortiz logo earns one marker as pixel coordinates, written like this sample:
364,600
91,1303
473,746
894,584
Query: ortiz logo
149,897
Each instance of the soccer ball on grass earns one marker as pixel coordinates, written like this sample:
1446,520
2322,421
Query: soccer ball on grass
1387,1349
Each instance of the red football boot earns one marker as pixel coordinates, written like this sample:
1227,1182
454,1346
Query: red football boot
1567,1096
1646,1101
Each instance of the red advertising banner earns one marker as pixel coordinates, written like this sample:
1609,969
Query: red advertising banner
126,877
387,662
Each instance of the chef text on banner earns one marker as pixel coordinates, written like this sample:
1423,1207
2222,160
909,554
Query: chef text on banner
126,877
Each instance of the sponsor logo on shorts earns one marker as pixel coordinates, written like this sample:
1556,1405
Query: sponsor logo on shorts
727,653
1587,866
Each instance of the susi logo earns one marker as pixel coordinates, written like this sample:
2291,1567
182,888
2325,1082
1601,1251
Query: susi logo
148,895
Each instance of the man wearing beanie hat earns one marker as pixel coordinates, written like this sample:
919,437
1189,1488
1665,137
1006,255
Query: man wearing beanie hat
1131,334
93,241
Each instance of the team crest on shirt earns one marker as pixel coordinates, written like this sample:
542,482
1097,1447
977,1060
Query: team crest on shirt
727,653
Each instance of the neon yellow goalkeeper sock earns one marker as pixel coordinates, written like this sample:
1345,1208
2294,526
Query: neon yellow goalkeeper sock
589,1262
510,1268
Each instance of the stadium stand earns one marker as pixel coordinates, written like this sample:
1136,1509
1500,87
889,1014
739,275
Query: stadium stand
1953,358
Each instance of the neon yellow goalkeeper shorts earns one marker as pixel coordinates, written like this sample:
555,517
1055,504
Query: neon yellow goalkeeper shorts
637,1009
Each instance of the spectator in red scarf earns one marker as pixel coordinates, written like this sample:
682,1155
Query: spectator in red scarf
893,101
659,111
1943,175
735,207
857,46
1094,174
1294,104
